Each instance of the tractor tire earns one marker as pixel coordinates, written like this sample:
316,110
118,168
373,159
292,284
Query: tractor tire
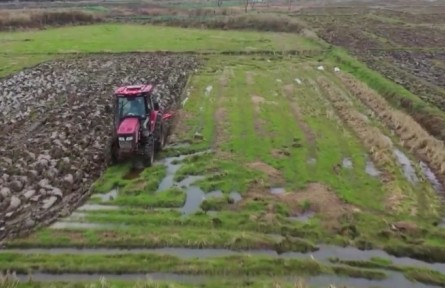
148,152
159,133
112,154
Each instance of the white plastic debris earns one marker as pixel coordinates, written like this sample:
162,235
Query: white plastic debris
321,68
336,69
298,80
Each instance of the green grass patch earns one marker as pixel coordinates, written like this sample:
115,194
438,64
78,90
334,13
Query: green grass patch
229,265
112,178
12,64
170,198
150,236
133,37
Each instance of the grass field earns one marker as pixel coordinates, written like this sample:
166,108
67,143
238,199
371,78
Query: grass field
21,48
273,154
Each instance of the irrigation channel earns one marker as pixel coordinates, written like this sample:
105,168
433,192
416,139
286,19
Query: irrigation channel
194,198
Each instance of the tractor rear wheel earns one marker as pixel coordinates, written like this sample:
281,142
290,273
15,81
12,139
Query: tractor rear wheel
112,153
149,152
159,132
160,141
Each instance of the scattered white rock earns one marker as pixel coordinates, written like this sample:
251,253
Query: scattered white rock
14,203
49,202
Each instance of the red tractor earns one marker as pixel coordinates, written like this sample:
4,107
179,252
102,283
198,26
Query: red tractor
140,127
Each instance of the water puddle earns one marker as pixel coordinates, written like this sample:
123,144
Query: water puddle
277,190
429,174
189,180
324,254
347,163
166,183
107,196
394,279
405,163
304,217
235,197
370,169
194,198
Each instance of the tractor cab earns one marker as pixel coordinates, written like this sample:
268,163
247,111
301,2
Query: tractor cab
139,125
134,102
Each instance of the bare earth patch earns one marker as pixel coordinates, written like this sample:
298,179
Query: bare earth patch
220,117
273,174
322,200
280,153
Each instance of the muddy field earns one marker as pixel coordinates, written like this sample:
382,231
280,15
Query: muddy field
263,167
55,129
406,45
280,167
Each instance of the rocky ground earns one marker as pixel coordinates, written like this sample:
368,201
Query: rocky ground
55,129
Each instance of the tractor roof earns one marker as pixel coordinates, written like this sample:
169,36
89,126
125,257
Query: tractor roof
133,90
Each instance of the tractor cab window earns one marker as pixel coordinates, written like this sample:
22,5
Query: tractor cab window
132,106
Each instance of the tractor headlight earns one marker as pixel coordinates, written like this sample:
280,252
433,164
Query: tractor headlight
121,138
130,138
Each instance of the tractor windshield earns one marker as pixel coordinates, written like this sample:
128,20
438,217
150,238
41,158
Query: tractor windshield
131,106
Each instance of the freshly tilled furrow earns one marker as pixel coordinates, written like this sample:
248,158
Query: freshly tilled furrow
56,131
